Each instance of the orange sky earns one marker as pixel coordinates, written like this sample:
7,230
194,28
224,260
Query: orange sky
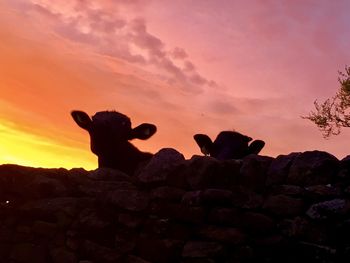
255,70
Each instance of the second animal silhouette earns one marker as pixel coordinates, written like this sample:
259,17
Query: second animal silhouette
228,145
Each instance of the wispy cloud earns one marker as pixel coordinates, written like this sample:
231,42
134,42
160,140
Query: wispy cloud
117,30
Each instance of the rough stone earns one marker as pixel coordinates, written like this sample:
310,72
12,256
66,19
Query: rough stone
44,229
47,208
159,250
28,253
225,216
179,212
132,200
204,172
160,165
62,255
99,253
257,223
202,249
291,190
134,259
125,241
279,169
95,223
313,168
208,197
246,198
130,220
167,193
294,228
254,171
44,187
102,188
108,174
217,197
321,192
283,205
326,209
222,234
343,175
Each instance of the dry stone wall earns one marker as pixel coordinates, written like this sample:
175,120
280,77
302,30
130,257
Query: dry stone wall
293,208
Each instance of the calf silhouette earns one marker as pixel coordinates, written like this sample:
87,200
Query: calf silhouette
228,145
110,132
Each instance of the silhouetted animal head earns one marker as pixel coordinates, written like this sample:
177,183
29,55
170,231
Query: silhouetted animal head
110,132
228,145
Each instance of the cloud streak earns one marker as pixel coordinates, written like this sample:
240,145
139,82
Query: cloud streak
115,29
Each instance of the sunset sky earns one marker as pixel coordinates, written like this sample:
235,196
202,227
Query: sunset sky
188,66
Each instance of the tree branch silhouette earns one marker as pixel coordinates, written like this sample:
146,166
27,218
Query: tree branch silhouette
334,113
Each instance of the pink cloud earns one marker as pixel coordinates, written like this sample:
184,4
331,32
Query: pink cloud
179,53
114,28
189,66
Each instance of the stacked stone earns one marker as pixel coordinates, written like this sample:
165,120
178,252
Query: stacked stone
291,208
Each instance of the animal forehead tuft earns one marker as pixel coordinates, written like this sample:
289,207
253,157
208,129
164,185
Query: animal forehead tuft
110,117
232,135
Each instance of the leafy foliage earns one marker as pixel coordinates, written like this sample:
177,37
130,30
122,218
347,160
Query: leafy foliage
334,113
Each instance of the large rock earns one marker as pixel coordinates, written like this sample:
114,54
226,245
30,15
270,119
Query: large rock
208,197
134,259
50,208
228,235
13,181
125,240
95,224
132,200
295,227
202,249
167,228
287,189
279,169
322,192
161,164
18,182
254,171
202,172
246,198
180,212
159,250
28,253
44,229
257,223
99,253
225,216
101,188
108,174
344,172
62,255
45,187
130,220
327,209
313,168
167,193
283,205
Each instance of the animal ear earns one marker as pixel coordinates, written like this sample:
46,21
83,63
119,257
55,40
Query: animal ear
82,119
256,146
143,131
248,139
204,143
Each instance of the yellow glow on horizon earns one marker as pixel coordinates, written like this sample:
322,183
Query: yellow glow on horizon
18,147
